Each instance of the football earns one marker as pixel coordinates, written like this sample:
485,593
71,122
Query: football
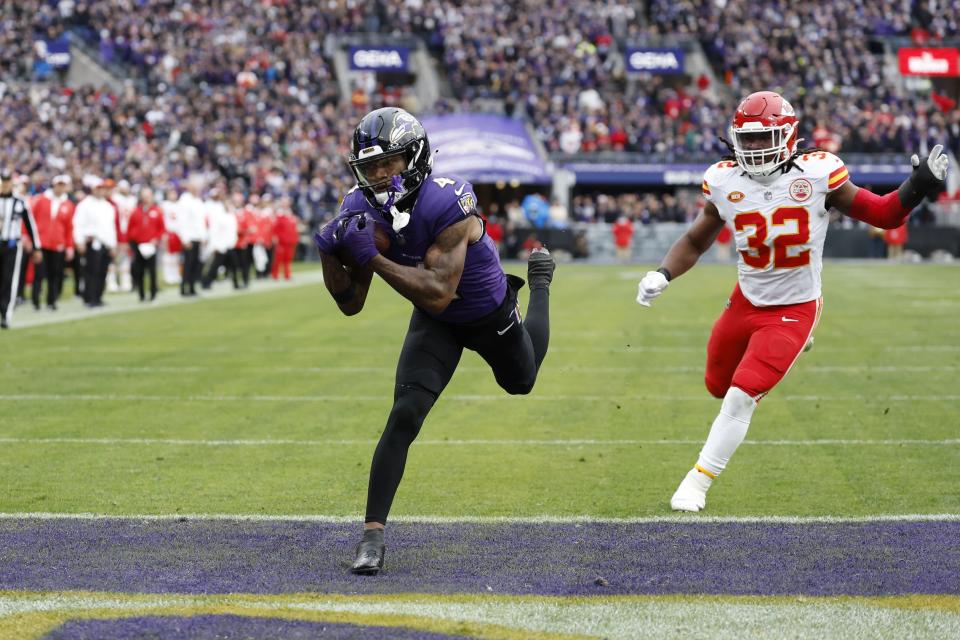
381,238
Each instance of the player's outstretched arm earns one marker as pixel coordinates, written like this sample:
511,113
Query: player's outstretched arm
683,254
433,287
348,287
891,210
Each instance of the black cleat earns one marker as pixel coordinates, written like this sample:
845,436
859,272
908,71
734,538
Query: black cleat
4,324
370,553
540,268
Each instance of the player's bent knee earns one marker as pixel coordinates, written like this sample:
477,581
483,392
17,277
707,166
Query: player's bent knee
519,387
717,389
738,404
410,407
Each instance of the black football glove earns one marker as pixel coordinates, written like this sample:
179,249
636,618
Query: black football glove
927,180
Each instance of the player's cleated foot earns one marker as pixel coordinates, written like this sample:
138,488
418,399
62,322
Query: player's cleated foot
809,345
370,552
540,268
691,495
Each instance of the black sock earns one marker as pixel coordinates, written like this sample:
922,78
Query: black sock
537,322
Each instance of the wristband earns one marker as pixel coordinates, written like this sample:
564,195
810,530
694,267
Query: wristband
666,273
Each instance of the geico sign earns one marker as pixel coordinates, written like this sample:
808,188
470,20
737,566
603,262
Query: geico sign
928,62
379,58
653,60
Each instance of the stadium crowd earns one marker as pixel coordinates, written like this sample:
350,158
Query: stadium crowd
249,84
244,92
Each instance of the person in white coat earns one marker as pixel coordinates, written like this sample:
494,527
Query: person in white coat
95,237
192,228
170,261
222,237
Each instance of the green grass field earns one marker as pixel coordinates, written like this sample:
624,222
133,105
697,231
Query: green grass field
89,407
271,404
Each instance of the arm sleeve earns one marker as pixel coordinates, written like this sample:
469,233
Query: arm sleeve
886,212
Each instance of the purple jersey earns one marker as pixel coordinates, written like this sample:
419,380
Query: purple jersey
442,202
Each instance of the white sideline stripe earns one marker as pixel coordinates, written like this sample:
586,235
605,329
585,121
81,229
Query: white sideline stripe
476,442
90,397
72,309
537,519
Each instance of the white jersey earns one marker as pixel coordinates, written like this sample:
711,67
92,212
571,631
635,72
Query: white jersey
780,223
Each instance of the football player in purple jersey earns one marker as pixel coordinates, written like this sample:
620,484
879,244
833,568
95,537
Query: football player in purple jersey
440,258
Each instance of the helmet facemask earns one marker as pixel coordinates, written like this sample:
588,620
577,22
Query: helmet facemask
386,178
761,149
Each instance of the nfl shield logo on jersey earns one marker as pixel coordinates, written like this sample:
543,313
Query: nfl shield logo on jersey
801,189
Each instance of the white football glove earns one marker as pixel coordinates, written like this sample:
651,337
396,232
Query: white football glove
937,162
651,286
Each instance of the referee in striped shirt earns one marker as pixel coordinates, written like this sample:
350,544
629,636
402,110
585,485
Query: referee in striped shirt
14,215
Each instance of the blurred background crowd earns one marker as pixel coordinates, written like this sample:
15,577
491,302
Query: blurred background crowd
243,96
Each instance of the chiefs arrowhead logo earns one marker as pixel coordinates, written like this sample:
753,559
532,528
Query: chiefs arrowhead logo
735,196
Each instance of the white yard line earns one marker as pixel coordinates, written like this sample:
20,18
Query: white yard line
98,397
564,369
534,519
573,442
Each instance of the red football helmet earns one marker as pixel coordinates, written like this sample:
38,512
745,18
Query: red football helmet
764,132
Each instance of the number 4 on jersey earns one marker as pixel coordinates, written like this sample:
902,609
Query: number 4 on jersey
758,255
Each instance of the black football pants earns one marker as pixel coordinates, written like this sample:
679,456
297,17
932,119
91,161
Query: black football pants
51,270
11,263
514,349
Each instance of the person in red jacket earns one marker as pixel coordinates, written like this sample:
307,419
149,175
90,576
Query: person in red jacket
895,239
53,212
145,229
623,238
287,236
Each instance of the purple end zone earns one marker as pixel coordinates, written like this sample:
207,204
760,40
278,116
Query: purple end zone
219,627
873,558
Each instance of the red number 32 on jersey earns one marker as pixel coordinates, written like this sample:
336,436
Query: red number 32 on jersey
759,253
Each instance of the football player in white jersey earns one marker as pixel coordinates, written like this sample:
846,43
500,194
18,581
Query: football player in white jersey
776,198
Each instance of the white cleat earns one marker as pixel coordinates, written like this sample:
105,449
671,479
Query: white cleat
691,495
809,345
